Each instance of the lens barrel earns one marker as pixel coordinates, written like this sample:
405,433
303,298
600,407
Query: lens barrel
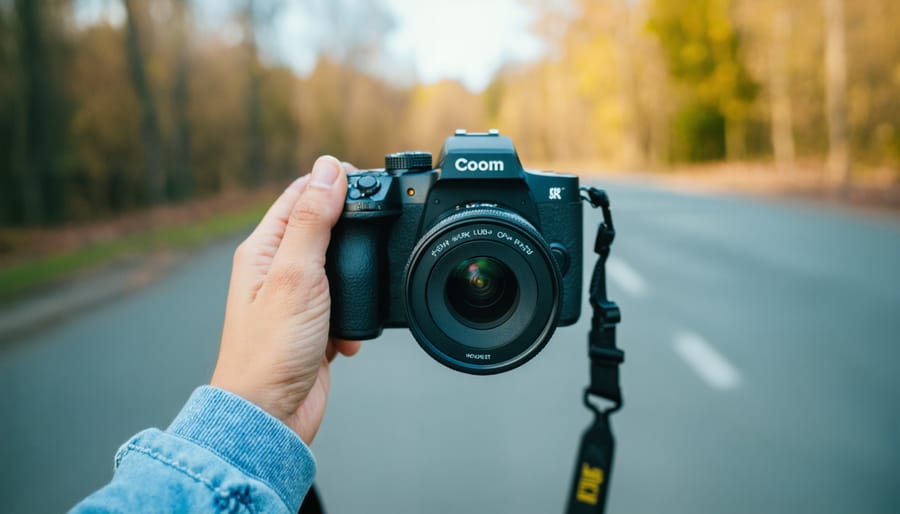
482,290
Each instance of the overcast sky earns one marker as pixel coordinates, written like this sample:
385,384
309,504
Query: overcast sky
466,40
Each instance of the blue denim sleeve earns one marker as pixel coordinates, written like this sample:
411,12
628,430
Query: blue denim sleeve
221,454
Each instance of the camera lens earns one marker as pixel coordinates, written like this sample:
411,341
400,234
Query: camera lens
482,291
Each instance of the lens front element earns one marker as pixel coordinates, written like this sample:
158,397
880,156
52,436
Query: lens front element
482,291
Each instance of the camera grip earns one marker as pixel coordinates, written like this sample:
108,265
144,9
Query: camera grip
355,268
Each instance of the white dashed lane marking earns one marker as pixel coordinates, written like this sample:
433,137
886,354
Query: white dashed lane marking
625,277
712,367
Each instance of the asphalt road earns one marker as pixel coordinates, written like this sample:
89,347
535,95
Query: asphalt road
762,340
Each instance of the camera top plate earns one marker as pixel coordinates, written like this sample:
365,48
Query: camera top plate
480,155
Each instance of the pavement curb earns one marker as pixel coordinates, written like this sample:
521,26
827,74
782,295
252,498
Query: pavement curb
50,307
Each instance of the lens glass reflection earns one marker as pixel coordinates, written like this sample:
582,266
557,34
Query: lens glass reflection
481,290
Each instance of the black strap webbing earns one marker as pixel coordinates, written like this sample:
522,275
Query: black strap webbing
590,482
312,504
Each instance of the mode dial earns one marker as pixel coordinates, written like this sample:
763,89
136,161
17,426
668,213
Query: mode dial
407,161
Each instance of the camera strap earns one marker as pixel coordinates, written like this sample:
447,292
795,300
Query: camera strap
593,467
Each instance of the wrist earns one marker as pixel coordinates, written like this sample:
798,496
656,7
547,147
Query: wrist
252,393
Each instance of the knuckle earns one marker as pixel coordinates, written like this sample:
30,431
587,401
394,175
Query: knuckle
241,252
297,278
287,277
303,289
305,214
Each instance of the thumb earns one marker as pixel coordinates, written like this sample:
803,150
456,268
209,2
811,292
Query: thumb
315,212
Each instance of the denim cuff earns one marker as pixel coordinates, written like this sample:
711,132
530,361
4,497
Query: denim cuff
248,438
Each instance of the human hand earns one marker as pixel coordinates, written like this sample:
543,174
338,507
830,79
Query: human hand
275,349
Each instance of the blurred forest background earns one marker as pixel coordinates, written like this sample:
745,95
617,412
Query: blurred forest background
101,119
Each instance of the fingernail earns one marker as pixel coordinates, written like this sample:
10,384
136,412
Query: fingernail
325,172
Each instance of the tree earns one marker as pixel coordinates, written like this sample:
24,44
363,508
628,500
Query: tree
703,50
10,189
256,152
150,132
438,109
38,172
782,132
354,33
183,180
107,165
836,93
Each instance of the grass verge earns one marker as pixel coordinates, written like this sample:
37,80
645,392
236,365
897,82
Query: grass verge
21,278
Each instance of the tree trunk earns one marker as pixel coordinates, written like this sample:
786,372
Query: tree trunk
37,160
255,156
150,133
836,94
735,138
183,179
779,82
631,154
658,107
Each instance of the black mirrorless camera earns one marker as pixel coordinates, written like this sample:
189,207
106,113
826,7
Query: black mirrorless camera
480,258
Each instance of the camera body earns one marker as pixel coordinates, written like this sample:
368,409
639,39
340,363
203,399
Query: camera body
480,258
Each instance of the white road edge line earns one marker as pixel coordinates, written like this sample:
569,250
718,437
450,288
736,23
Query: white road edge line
626,277
712,367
